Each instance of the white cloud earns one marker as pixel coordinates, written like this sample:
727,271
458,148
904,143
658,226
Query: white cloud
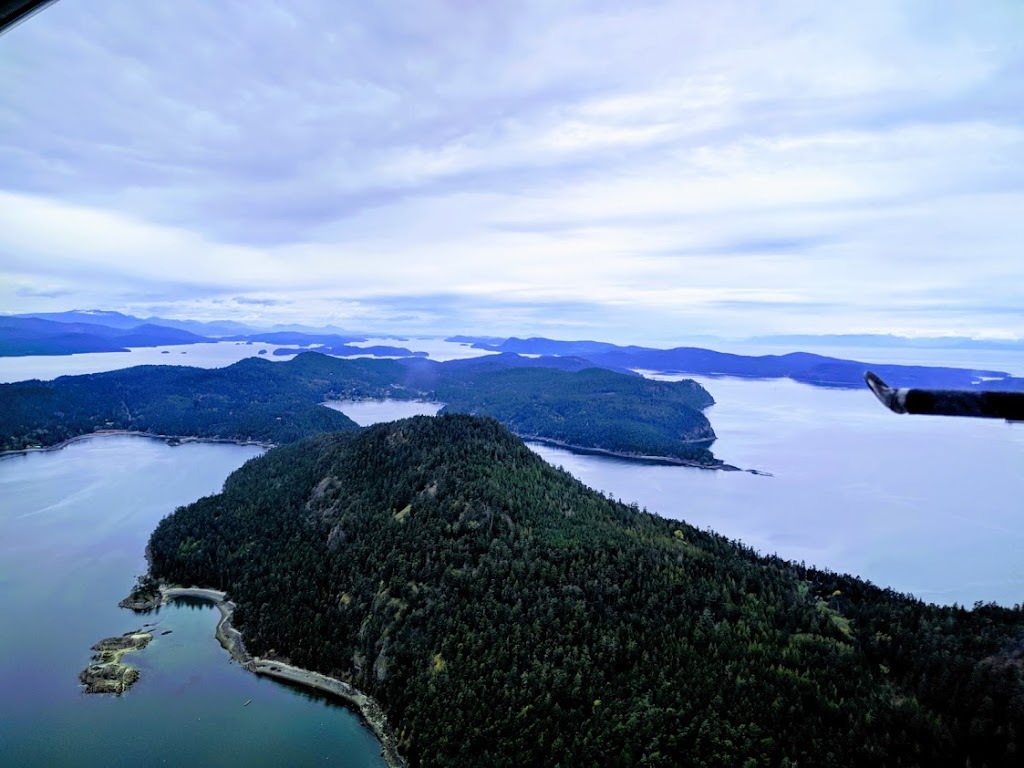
727,164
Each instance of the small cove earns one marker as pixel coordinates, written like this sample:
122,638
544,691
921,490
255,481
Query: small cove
73,529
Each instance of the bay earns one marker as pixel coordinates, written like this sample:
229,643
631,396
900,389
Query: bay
73,528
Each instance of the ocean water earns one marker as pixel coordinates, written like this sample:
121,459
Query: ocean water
216,354
73,528
366,412
933,506
1008,361
207,355
929,505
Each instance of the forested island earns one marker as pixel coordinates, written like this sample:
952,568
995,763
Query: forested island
504,614
805,367
275,403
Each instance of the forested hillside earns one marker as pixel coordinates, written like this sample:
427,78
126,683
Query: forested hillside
594,408
279,402
245,401
504,614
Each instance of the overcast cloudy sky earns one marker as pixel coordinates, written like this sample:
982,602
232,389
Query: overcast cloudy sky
631,171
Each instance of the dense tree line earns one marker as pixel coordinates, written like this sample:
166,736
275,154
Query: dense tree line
280,402
247,401
505,614
593,408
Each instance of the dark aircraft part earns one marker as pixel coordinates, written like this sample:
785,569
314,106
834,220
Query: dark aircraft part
14,11
948,402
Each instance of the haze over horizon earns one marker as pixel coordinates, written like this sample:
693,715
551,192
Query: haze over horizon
662,172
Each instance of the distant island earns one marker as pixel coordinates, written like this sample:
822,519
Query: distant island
68,333
886,340
32,336
503,614
255,400
207,328
817,370
351,350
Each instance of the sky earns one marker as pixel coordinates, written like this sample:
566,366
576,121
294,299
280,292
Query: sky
634,172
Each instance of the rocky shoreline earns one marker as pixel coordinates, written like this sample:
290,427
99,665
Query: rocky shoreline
674,461
231,640
108,673
169,439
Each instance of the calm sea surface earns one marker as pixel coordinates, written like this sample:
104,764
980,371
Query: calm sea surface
73,527
925,504
928,505
366,412
209,355
1008,361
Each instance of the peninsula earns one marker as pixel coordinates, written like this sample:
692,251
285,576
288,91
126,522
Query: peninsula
110,676
502,613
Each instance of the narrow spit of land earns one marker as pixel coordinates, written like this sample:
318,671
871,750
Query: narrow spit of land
231,640
169,439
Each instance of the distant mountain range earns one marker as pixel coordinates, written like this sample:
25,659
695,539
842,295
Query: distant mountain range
793,341
64,333
212,330
33,336
122,321
68,333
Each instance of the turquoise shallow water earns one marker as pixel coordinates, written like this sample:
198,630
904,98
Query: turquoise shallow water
73,528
